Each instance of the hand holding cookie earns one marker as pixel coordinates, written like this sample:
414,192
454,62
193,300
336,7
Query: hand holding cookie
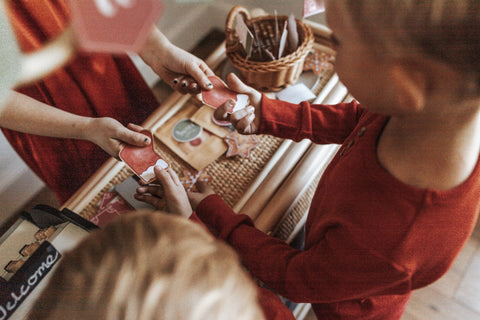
170,189
247,120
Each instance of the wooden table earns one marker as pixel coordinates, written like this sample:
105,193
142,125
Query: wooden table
274,186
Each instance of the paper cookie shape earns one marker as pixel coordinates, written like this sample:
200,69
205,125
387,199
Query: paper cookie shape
240,145
318,61
190,178
142,160
221,94
111,206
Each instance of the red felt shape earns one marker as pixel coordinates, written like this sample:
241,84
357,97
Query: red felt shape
111,206
219,94
140,159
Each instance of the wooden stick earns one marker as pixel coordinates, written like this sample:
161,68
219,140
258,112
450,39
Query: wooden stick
217,56
294,186
318,29
274,179
327,89
262,175
329,152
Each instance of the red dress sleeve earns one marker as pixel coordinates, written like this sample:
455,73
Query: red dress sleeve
273,308
322,124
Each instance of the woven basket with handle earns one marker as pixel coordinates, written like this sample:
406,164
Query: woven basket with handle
273,75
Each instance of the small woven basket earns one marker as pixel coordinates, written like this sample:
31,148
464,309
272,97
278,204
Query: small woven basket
272,75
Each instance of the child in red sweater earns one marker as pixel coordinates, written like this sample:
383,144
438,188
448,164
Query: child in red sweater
400,199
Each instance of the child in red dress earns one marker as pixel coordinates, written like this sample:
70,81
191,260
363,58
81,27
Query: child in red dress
400,199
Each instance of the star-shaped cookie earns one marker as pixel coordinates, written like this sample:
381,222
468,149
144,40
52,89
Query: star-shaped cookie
240,145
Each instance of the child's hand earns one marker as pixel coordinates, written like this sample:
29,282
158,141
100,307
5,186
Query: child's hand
170,191
204,191
111,135
246,121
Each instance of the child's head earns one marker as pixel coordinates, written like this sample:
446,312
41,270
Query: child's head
443,31
149,266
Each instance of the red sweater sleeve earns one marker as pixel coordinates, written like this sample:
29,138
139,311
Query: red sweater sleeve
273,308
327,272
320,123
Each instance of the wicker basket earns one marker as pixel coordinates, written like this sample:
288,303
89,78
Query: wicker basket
267,75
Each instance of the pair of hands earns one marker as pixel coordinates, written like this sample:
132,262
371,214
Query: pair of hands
169,191
110,135
184,72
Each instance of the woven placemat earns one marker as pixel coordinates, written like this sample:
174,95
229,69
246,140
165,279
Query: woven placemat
230,177
292,218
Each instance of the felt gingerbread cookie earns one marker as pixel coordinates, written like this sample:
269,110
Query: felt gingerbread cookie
142,160
221,93
191,177
240,145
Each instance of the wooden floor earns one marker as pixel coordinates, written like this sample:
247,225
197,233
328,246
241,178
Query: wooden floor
456,296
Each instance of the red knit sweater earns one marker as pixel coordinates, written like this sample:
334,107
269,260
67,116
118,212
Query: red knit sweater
370,239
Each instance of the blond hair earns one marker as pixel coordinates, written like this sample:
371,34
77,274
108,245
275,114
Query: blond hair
149,266
443,29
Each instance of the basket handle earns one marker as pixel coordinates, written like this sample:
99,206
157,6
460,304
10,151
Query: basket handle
233,14
232,44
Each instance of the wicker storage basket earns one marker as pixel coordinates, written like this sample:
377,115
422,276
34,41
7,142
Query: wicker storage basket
267,75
